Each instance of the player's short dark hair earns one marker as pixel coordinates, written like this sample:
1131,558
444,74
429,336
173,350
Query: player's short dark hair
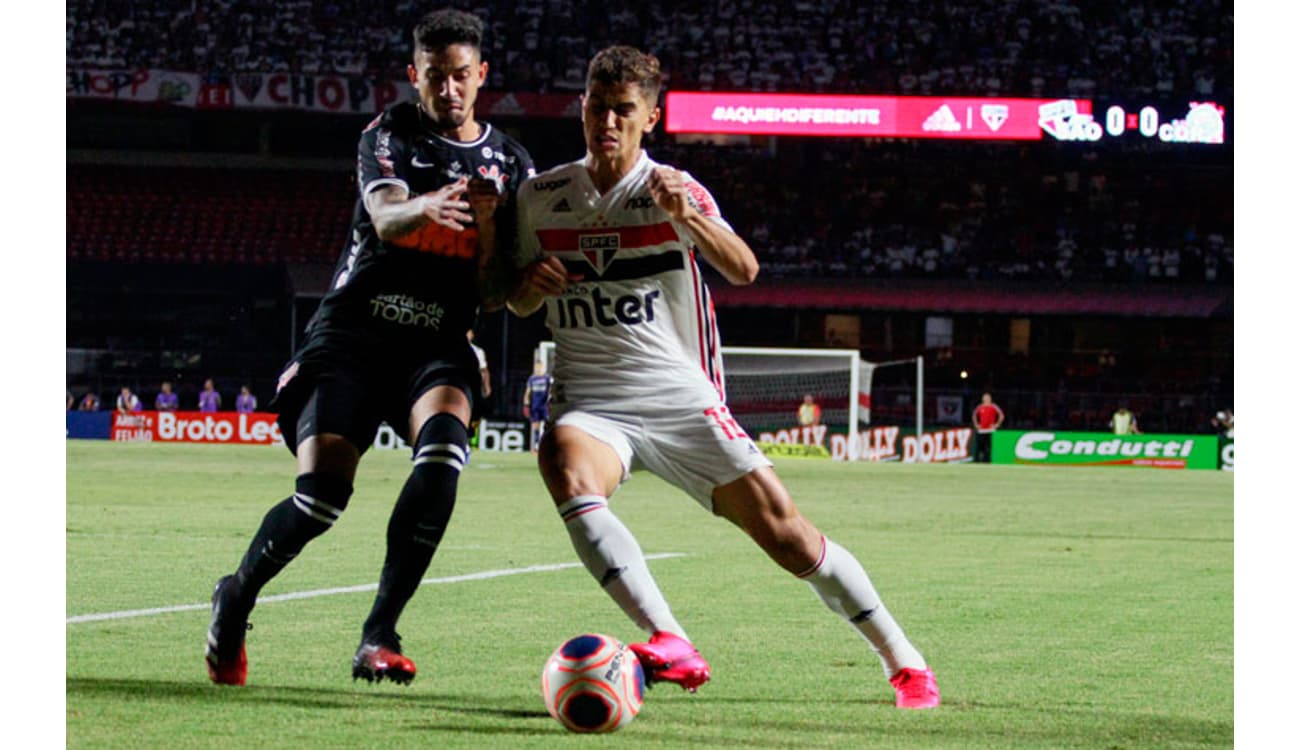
621,64
448,26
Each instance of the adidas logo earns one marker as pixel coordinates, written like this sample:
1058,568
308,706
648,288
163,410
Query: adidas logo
942,119
561,207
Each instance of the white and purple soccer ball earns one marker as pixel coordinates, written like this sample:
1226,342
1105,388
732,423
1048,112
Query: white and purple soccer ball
593,683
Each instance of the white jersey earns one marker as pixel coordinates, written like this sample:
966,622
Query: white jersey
639,328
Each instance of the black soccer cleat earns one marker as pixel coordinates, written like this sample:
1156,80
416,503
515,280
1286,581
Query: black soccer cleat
379,657
227,660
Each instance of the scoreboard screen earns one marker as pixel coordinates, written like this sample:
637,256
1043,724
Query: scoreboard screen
960,118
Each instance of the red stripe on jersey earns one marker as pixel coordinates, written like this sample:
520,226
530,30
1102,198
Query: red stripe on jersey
701,313
715,352
648,235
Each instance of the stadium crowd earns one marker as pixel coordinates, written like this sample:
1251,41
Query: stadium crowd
979,47
960,211
929,210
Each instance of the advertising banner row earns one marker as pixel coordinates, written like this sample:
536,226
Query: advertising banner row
258,428
1049,448
356,95
747,113
875,444
887,443
1026,447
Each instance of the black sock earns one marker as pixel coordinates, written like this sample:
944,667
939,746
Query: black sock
316,504
420,518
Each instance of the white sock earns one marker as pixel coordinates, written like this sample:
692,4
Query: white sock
613,557
840,581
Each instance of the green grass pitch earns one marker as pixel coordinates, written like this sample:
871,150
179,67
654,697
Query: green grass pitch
1059,608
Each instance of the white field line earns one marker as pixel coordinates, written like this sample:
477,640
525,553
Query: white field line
480,576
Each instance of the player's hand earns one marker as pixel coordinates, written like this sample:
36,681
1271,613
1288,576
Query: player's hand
548,277
668,189
484,198
446,207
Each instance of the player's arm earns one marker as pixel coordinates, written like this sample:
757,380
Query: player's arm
497,275
395,214
492,203
540,277
721,247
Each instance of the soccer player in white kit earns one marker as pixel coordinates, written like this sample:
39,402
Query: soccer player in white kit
608,244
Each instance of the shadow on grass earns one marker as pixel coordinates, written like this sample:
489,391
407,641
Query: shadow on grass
1007,724
1037,725
1083,537
302,697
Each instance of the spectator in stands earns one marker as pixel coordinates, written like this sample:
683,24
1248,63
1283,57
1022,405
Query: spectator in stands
127,401
810,413
245,402
72,401
986,419
209,398
1124,422
1223,423
89,402
166,400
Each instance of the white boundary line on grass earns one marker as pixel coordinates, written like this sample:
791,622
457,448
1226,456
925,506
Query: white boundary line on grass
480,576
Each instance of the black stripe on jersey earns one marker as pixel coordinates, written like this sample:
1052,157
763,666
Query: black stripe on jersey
623,269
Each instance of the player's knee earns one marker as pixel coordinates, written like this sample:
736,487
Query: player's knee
442,445
328,453
322,496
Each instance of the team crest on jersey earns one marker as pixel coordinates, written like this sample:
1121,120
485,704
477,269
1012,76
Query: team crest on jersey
494,174
599,249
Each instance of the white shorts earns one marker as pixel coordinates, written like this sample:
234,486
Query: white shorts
694,450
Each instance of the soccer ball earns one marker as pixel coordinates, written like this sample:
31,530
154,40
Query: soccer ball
593,683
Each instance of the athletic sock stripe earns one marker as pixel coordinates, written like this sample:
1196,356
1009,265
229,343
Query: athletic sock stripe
309,510
582,509
320,505
451,461
452,448
817,565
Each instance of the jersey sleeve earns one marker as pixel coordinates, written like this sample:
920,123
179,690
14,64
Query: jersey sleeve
702,200
526,168
381,160
527,248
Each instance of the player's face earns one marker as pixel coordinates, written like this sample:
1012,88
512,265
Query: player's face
447,81
615,117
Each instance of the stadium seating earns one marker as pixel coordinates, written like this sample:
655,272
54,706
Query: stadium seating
978,47
181,215
900,211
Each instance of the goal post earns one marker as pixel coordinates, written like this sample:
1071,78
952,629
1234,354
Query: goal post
765,386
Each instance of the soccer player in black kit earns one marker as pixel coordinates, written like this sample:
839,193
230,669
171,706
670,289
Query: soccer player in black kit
388,344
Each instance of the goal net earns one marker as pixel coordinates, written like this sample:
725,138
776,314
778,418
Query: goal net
766,386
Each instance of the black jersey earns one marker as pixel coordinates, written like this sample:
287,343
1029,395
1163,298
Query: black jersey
419,290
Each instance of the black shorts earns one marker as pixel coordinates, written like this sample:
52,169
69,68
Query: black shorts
328,390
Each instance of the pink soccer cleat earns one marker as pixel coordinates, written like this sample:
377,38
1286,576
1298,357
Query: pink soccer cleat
916,688
671,658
